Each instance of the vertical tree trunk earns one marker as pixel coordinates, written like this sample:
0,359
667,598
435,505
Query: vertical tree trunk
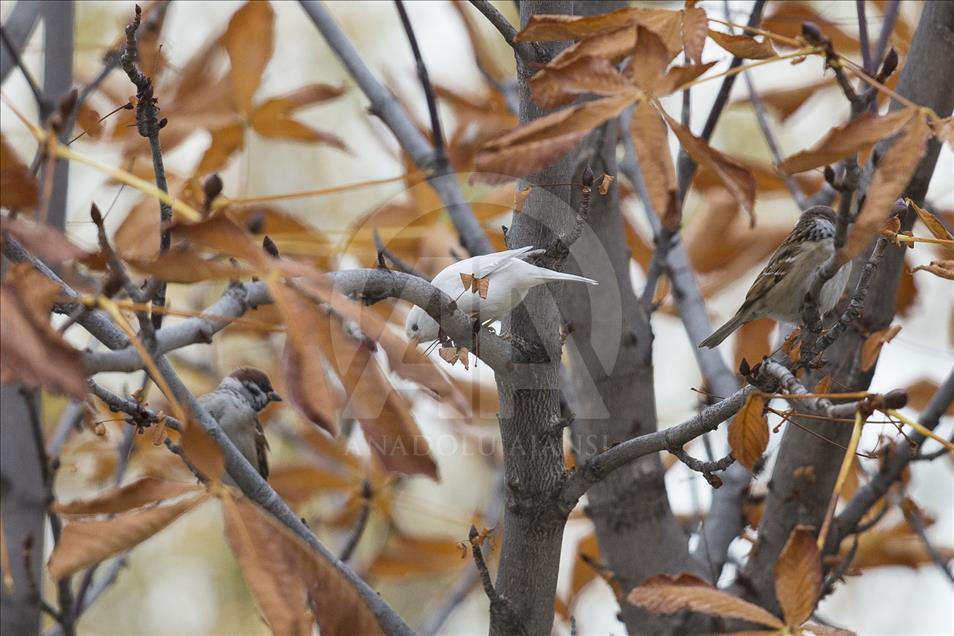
927,79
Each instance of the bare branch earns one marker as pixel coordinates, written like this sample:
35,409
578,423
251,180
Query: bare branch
498,604
384,105
17,29
913,517
701,466
524,50
360,524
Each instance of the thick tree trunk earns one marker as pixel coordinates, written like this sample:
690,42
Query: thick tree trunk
927,79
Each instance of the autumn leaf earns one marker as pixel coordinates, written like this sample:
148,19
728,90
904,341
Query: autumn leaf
744,46
695,25
42,240
651,140
226,141
185,266
754,340
749,431
307,333
138,493
299,482
893,175
273,117
786,101
798,576
841,141
33,351
544,141
944,269
553,87
663,594
249,43
934,225
220,233
737,179
649,60
202,451
85,542
871,349
283,573
18,187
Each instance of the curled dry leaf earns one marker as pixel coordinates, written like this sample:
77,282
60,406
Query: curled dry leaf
893,175
33,351
18,187
307,335
605,182
872,346
944,269
202,452
663,594
249,43
737,179
284,574
143,491
300,482
749,431
744,46
841,141
220,233
181,265
935,226
85,542
552,87
273,117
798,576
43,241
649,60
544,141
695,25
226,141
651,140
679,76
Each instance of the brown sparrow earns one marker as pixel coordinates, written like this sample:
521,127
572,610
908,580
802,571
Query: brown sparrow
779,290
235,405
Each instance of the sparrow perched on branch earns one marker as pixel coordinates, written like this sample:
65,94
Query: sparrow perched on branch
779,290
235,405
486,287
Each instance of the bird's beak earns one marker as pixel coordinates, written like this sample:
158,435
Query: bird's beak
273,396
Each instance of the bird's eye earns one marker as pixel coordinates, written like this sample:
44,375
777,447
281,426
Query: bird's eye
413,327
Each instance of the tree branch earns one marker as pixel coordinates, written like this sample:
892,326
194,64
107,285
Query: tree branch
525,51
384,105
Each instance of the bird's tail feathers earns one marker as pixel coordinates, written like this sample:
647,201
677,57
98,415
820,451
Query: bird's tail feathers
549,274
724,331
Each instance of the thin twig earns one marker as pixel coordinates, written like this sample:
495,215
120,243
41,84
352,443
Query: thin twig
149,125
890,16
42,103
839,571
913,517
700,466
440,155
360,524
396,261
525,51
863,36
497,602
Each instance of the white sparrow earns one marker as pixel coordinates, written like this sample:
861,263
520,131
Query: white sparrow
235,404
779,290
486,288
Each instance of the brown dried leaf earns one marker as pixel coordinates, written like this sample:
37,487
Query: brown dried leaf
273,117
841,141
542,142
185,266
651,140
871,349
42,240
226,141
552,87
136,494
737,179
786,101
744,46
679,76
892,176
944,269
896,545
383,413
798,576
754,341
935,226
649,60
33,351
695,24
407,556
824,385
220,233
307,335
663,594
907,291
202,452
486,60
787,17
249,43
84,543
668,24
18,187
749,431
283,573
299,483
137,237
605,182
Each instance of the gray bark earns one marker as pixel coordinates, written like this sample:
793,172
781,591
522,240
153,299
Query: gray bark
57,81
927,81
18,28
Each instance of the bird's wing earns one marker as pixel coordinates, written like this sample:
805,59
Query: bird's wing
490,263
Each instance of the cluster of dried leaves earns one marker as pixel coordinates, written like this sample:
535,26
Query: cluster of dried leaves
341,360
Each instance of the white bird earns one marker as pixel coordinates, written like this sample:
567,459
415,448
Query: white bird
495,284
235,405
